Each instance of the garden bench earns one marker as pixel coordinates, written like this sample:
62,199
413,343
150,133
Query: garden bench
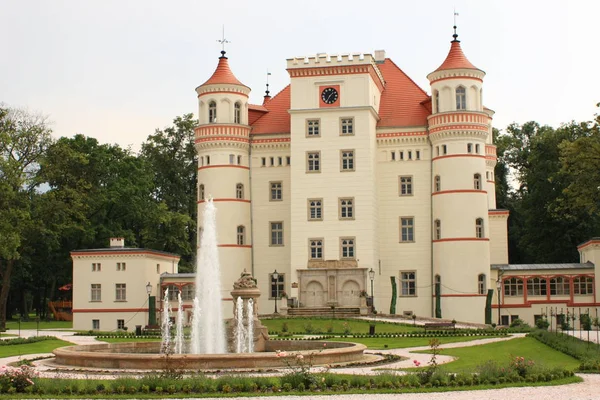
439,325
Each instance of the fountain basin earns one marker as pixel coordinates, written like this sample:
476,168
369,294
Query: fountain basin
145,355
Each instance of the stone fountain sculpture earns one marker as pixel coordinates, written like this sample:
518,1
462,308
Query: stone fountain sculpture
245,325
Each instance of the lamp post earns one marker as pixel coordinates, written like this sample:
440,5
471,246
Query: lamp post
498,288
149,290
372,277
275,277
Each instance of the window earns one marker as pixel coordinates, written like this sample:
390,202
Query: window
536,287
276,192
346,208
263,161
393,153
436,101
188,292
280,161
406,186
121,292
437,229
347,160
461,98
417,155
469,147
401,155
173,292
121,266
444,149
212,112
239,191
239,160
276,233
237,113
277,286
201,191
481,284
202,161
315,209
96,292
559,286
96,324
231,158
408,283
477,182
583,285
207,160
272,161
241,235
288,160
316,249
437,150
158,265
96,267
313,161
313,128
121,324
437,183
477,148
479,233
410,155
347,247
347,126
513,287
407,229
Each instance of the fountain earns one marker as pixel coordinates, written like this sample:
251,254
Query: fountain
246,338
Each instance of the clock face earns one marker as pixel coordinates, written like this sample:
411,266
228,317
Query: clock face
329,95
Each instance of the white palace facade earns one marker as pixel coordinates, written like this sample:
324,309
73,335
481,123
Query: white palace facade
353,181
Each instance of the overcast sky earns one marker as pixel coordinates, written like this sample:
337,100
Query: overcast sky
117,69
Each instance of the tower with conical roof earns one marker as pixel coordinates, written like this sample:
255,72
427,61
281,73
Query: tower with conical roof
223,144
460,132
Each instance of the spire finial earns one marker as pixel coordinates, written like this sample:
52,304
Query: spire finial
223,41
267,91
455,36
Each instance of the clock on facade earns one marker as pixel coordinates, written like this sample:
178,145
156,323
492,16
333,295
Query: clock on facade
329,95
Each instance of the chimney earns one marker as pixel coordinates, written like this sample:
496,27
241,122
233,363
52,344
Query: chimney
379,56
117,242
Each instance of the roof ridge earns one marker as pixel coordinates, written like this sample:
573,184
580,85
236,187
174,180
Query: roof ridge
408,77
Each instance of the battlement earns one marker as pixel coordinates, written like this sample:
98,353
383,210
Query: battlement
325,60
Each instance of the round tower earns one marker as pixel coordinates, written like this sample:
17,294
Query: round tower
222,144
459,129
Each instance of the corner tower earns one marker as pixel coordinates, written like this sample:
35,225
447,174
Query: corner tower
459,129
222,143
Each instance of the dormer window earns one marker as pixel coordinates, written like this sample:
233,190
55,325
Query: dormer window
212,112
237,113
461,98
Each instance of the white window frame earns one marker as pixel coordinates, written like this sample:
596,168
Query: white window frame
346,208
120,292
346,126
313,128
348,248
276,191
315,249
408,283
315,209
276,233
313,161
405,185
96,292
407,229
346,160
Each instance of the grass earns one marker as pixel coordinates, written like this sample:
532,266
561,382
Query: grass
13,325
402,343
45,346
322,325
471,357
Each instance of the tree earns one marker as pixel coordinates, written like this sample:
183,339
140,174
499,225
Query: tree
24,137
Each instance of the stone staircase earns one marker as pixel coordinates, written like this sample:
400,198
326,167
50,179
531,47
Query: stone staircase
339,312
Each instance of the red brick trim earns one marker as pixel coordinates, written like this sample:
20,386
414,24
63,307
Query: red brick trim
461,240
459,191
226,200
223,166
457,155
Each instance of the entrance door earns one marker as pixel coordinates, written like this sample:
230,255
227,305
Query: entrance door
351,294
314,294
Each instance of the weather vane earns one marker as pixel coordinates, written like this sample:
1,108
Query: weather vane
223,41
267,91
455,36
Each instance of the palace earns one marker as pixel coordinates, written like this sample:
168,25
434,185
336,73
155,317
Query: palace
354,184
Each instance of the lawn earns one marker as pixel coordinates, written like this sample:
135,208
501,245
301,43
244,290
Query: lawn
45,346
401,343
325,325
470,357
13,325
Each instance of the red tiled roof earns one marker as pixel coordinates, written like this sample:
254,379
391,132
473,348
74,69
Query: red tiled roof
456,58
402,101
223,74
277,119
255,112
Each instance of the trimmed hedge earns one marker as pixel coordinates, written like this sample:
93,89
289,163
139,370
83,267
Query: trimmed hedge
586,352
33,339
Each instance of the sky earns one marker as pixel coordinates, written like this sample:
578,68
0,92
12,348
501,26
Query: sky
116,70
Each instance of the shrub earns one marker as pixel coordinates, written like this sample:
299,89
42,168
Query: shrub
542,323
18,378
284,327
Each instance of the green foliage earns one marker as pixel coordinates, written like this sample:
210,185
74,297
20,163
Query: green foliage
519,323
542,323
587,353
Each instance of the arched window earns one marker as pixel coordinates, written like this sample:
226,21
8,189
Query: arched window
559,286
583,285
437,229
461,98
513,287
437,183
436,101
188,292
481,284
479,228
477,181
239,191
536,287
201,192
212,112
237,113
241,235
